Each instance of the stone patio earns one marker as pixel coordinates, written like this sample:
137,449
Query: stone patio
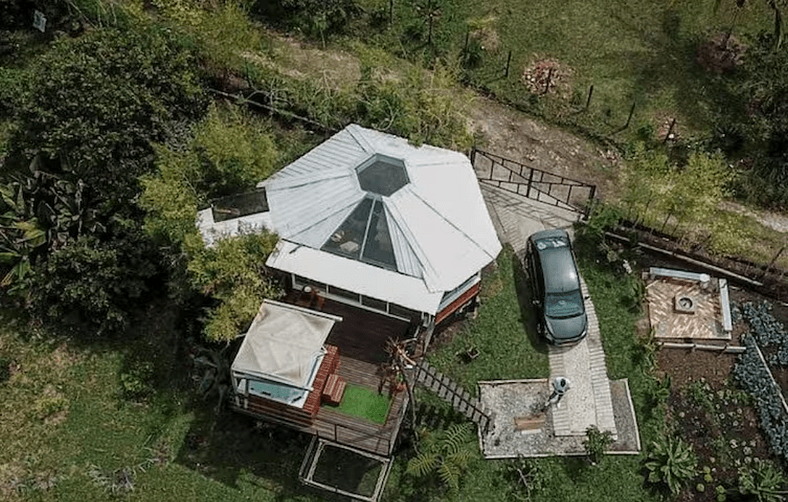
669,321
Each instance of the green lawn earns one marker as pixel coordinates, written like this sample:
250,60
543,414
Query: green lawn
503,333
69,435
630,51
364,403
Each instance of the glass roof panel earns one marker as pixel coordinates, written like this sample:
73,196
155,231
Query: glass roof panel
382,175
377,248
243,204
349,237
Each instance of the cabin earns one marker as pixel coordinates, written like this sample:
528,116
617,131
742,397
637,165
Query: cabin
379,239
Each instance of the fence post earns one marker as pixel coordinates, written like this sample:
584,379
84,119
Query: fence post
530,180
549,79
591,197
772,262
508,62
631,112
590,93
391,11
670,130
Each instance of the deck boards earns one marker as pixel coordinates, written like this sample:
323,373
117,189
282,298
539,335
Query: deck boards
361,338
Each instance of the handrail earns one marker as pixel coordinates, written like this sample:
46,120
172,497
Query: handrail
534,180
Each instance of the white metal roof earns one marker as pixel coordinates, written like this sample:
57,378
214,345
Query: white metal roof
213,231
438,227
376,282
282,343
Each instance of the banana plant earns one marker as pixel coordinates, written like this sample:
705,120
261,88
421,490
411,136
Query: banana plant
20,235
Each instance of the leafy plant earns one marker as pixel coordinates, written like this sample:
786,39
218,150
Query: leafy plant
135,383
604,216
768,331
597,443
448,453
764,481
528,477
233,271
753,376
671,462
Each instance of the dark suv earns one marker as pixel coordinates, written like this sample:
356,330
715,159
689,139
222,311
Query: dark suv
556,287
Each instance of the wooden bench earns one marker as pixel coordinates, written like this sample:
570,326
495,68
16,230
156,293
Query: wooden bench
333,390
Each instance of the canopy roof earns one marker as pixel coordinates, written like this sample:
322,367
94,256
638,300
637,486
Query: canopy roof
283,342
373,198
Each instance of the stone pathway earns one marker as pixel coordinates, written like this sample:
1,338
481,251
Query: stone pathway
588,402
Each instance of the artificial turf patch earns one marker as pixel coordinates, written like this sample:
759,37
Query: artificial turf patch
364,403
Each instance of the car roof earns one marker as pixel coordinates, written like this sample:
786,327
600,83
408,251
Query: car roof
558,264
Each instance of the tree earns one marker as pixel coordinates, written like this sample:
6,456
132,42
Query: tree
762,91
229,152
84,135
99,101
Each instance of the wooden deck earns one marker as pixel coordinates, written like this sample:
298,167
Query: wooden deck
361,338
357,432
362,334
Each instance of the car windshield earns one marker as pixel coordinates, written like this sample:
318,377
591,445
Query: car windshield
563,305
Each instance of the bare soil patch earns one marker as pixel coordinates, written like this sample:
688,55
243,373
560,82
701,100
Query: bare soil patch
722,54
514,135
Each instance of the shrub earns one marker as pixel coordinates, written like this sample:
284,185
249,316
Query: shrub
421,106
221,34
764,481
528,477
671,462
597,443
317,18
135,383
90,285
447,453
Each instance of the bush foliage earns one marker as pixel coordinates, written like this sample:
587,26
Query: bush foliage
83,135
229,152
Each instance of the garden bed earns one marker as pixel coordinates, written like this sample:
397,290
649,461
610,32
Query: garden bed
707,408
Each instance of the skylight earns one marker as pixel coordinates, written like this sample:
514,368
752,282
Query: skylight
382,175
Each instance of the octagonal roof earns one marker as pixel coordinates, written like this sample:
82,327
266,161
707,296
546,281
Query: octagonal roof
374,198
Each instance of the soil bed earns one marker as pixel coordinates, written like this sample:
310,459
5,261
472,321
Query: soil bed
707,409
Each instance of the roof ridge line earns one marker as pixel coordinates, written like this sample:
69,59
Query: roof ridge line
418,196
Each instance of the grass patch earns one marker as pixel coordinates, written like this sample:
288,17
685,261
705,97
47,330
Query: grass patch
70,435
642,52
364,403
504,333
